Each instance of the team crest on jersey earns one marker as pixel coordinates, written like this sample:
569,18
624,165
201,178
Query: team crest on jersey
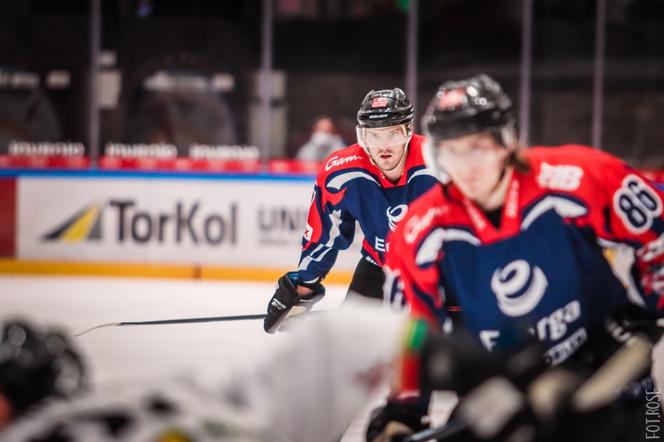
518,287
396,214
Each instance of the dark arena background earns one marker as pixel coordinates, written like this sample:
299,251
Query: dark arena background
150,150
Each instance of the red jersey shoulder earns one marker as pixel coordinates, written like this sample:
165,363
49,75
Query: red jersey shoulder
415,157
414,161
583,156
350,157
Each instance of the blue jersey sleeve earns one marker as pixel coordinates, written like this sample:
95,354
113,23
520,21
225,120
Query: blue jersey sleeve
330,228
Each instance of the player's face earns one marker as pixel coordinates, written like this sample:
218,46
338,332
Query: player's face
474,163
386,145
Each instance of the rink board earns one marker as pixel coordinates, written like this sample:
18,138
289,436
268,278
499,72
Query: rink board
212,226
185,225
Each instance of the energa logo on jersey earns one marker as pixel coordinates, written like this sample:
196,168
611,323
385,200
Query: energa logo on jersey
131,223
518,287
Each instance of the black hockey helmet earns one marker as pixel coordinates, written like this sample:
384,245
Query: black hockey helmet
386,107
470,105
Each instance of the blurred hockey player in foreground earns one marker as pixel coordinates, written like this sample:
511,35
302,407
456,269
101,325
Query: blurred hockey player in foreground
307,390
35,365
516,239
371,183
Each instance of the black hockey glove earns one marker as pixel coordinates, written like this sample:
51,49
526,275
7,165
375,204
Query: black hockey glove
494,406
286,303
395,420
35,365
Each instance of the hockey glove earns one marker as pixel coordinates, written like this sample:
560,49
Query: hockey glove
35,365
395,420
286,303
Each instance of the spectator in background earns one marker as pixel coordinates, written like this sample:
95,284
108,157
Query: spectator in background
323,141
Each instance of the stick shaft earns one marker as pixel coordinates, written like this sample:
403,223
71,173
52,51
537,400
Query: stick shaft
194,320
175,321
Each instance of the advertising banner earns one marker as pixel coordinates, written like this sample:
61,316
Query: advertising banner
240,222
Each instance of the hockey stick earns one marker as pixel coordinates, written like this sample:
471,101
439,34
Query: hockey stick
175,321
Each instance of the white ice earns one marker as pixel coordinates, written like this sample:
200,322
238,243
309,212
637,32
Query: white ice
123,354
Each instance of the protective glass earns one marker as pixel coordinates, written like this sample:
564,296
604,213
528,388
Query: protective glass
383,136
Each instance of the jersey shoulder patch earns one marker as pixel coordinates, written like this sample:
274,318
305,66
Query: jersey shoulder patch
567,168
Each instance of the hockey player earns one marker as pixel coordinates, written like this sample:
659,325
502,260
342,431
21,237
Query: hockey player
371,183
35,365
517,239
252,401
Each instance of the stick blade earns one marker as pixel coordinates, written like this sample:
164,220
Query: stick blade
108,324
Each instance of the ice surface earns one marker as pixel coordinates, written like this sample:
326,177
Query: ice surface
122,354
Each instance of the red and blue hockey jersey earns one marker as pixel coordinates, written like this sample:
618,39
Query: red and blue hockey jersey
544,270
351,188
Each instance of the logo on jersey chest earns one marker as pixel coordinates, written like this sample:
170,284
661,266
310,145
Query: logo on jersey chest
552,327
518,287
396,214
